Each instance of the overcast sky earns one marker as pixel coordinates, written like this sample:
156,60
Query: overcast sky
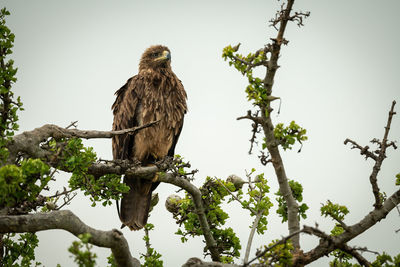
338,77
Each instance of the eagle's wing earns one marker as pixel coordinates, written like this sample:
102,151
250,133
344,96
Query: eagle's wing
125,109
171,151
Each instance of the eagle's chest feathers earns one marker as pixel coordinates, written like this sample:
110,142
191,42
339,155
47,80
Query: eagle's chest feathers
162,99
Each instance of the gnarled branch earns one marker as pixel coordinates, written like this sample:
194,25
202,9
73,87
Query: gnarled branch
327,246
29,142
379,158
66,220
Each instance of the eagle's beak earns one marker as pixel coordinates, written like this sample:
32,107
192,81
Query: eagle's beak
164,57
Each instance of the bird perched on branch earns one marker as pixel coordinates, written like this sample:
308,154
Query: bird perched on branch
154,94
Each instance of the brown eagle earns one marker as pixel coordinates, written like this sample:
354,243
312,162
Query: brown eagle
155,93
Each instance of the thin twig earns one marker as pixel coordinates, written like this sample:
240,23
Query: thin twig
249,116
398,210
364,249
237,199
363,150
72,124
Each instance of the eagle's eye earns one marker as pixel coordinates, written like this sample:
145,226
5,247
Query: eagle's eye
156,54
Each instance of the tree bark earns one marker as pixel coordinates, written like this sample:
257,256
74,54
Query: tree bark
68,221
268,128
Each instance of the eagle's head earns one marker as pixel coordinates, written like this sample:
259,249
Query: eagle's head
155,57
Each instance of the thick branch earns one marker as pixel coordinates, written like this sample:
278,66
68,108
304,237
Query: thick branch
268,128
284,187
29,142
91,134
99,169
367,222
68,221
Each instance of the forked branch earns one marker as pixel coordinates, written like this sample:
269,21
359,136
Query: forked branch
378,156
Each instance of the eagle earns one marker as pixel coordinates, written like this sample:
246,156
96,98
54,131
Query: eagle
154,94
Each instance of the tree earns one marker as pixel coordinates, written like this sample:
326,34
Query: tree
31,158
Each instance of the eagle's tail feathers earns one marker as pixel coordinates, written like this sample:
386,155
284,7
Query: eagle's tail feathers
135,204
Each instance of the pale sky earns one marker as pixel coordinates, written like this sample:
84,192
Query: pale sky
338,77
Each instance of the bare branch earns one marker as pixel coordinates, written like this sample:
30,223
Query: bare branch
249,116
381,152
367,222
29,142
363,150
298,17
381,158
91,134
364,249
58,194
254,131
66,220
72,124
